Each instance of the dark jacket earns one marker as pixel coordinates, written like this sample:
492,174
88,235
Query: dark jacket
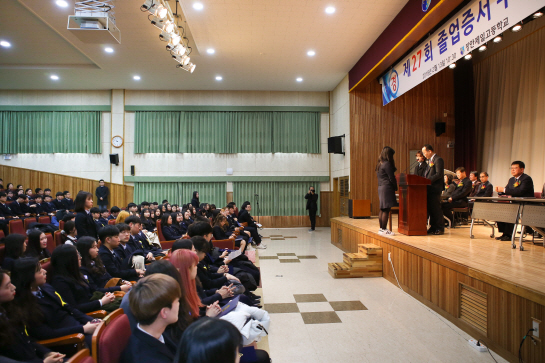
462,190
312,200
132,248
485,190
68,204
524,187
448,191
36,208
146,245
59,318
59,204
75,294
22,348
16,208
420,169
436,173
7,211
195,200
170,233
97,282
85,225
115,266
48,207
475,187
208,279
245,217
102,192
207,296
143,347
219,233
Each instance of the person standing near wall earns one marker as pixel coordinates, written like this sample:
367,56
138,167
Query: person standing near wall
102,194
387,187
312,207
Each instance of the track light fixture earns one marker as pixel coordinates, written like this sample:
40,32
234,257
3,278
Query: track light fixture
161,16
452,66
498,39
517,27
468,56
482,48
538,14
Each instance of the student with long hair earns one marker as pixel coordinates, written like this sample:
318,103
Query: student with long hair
245,217
37,245
147,223
121,217
169,232
14,342
69,232
84,220
221,232
387,186
49,316
195,200
157,215
16,245
177,219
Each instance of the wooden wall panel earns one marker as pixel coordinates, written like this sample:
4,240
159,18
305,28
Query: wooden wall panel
404,124
120,195
431,280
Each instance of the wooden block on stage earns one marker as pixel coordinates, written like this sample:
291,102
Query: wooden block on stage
370,249
359,264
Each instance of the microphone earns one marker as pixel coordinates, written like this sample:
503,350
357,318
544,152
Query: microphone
411,166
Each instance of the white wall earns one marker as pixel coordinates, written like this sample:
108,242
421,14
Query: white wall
122,123
340,124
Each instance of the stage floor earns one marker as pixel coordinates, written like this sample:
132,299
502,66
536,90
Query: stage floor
483,257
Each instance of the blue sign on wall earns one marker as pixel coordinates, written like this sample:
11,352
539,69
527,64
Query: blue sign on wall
425,5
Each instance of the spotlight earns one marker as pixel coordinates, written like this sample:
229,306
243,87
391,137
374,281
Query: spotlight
467,57
482,48
538,14
516,28
183,60
330,10
161,11
150,5
498,39
219,78
54,77
311,53
191,67
5,44
108,50
136,78
198,6
299,79
452,66
178,50
174,41
61,3
210,51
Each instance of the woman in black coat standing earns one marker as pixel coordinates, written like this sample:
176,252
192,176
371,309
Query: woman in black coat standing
85,225
195,200
387,186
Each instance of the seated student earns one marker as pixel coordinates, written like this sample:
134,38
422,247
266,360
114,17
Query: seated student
169,208
95,212
69,217
29,193
245,217
154,302
47,191
50,316
132,208
10,196
4,224
177,219
37,245
486,189
139,239
58,203
70,284
130,252
68,234
36,207
48,206
109,236
157,215
14,342
186,221
221,232
169,232
121,217
520,185
93,269
10,186
16,245
104,217
84,220
148,224
459,196
25,205
449,186
38,191
19,207
208,278
114,212
67,201
475,183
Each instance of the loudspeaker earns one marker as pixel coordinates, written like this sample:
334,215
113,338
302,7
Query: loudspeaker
132,170
114,159
440,128
359,208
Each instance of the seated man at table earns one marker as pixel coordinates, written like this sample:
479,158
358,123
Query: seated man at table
519,186
475,183
459,196
486,189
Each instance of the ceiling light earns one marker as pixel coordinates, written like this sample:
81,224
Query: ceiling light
54,77
178,50
516,28
219,78
330,10
311,53
299,79
210,51
108,50
192,67
468,56
61,3
161,11
452,66
538,14
498,39
198,6
136,78
482,48
5,44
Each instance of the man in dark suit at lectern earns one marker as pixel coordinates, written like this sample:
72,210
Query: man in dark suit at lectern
436,173
421,168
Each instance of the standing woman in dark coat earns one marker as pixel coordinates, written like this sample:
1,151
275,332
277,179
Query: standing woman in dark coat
387,186
195,200
85,224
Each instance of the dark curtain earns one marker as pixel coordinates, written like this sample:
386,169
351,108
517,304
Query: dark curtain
465,149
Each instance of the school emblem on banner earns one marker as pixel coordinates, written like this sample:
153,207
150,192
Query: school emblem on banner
390,86
425,5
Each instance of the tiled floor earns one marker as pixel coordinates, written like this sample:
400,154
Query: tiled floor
315,318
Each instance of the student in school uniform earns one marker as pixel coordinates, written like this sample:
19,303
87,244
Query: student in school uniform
36,207
109,236
6,209
67,201
95,212
104,217
84,220
130,251
15,248
48,206
169,232
114,212
18,206
58,203
37,245
10,197
139,239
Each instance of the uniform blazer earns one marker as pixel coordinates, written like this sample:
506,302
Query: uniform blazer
16,208
6,210
85,225
48,207
245,217
68,203
170,233
115,266
208,279
463,188
219,233
97,282
59,317
311,201
420,169
436,173
75,294
59,204
146,245
524,187
485,190
22,348
126,254
142,347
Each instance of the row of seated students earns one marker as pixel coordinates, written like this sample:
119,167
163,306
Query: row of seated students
78,285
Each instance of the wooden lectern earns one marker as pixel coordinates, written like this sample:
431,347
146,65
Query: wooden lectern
413,209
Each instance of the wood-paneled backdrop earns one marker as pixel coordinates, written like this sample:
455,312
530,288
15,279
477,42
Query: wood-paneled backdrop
120,195
405,124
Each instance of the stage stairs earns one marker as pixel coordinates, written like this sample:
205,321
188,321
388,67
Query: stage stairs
366,263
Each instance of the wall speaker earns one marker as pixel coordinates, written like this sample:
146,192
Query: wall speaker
114,159
440,128
132,170
359,208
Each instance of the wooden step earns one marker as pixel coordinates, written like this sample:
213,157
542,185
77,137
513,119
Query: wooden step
361,259
370,249
343,270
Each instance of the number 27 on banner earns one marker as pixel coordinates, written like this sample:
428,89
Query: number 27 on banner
416,60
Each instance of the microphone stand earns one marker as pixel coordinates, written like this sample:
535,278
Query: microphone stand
257,205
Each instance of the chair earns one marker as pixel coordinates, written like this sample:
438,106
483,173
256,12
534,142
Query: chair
111,337
44,219
28,221
57,238
244,224
458,212
76,340
50,242
164,243
61,225
16,226
48,268
225,243
2,253
236,211
2,235
112,222
83,356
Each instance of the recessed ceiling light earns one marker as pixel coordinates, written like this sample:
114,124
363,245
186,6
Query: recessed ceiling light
498,39
330,10
219,78
299,79
482,48
538,14
198,6
108,50
311,53
468,56
516,28
61,3
54,77
210,51
452,66
136,78
5,44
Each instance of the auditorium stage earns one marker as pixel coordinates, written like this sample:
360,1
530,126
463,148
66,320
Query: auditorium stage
505,286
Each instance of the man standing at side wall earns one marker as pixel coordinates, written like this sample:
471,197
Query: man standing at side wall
436,173
102,194
312,207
